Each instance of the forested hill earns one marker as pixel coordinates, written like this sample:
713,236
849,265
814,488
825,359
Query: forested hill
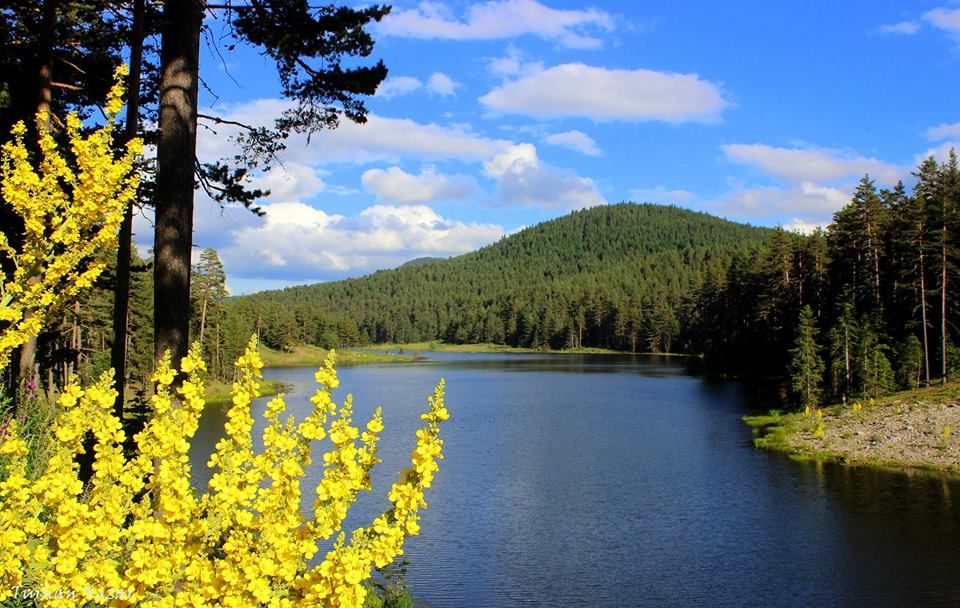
613,276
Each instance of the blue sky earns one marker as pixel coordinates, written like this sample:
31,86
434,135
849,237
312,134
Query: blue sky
502,114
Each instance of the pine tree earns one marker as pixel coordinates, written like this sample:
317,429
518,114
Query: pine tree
208,285
946,220
873,367
843,341
806,366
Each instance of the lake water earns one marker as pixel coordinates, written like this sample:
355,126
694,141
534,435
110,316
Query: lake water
588,481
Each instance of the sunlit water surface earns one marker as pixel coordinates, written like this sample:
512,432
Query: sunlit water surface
573,480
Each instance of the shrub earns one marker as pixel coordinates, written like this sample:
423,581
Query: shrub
139,534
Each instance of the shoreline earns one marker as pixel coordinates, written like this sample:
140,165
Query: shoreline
218,393
314,356
915,429
437,346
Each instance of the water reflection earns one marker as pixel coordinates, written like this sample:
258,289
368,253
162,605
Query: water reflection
626,481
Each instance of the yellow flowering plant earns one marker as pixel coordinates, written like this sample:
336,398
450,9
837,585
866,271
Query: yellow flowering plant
140,534
71,212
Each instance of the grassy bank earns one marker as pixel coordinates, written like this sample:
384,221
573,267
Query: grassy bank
218,393
314,356
437,346
911,429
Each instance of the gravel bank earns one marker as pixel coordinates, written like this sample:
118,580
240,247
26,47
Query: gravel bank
914,429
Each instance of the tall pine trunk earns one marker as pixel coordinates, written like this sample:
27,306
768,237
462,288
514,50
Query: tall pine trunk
203,318
48,26
176,154
943,302
923,314
121,292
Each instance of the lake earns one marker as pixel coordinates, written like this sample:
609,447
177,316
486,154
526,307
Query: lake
576,480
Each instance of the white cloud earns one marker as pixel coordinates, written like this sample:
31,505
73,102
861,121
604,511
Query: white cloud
810,164
297,242
393,138
798,225
575,140
943,131
575,89
289,181
397,186
661,195
213,225
438,84
944,19
905,28
442,85
805,202
525,180
395,86
500,19
379,139
513,64
940,153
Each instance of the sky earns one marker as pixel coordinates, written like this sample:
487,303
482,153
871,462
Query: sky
499,115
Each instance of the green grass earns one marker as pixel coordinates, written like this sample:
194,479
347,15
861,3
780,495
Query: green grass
314,356
485,347
773,430
218,393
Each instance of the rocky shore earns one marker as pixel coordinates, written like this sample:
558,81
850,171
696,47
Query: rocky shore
913,429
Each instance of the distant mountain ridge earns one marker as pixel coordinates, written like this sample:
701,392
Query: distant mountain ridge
612,276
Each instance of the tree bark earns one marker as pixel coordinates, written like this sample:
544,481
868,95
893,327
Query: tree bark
176,153
121,292
48,26
923,313
943,303
203,318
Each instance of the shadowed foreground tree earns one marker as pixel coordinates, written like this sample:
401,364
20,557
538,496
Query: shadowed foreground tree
308,45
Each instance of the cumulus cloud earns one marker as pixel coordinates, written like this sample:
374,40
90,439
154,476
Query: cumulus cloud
438,84
397,186
442,85
297,242
379,139
574,140
525,180
944,18
500,19
810,164
213,225
395,86
661,195
290,181
806,202
940,153
904,28
943,131
513,64
798,225
575,89
941,18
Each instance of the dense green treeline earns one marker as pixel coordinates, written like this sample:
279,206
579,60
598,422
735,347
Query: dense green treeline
620,276
80,342
866,307
861,308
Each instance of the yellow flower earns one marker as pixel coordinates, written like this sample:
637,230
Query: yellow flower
142,529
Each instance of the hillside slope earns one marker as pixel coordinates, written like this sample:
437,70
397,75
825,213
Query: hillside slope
612,276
